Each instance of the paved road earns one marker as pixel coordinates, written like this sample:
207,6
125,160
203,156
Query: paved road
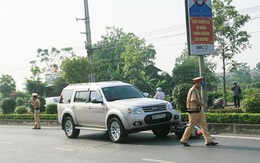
49,145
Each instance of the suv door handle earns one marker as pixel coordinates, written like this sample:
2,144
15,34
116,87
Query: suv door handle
73,107
89,108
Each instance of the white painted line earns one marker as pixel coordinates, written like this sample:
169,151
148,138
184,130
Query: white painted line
158,161
8,143
236,137
63,149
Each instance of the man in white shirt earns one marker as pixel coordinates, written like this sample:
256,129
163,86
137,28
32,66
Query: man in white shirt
159,94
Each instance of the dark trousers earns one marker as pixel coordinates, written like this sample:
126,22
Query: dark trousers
236,101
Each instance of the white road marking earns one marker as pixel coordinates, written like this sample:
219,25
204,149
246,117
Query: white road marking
8,143
225,136
236,137
158,161
63,149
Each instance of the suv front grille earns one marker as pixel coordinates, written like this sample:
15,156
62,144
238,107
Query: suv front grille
154,108
149,120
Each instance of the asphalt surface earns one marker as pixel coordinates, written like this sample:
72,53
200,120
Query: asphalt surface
50,145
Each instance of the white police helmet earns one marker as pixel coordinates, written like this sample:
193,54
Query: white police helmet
159,89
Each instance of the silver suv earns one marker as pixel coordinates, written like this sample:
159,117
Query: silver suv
115,107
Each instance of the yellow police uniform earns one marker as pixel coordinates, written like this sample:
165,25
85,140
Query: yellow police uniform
36,105
196,115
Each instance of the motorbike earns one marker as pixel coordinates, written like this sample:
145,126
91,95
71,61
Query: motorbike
180,128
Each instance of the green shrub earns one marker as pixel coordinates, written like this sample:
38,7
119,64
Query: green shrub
51,109
28,116
230,95
215,94
251,104
180,95
239,118
8,105
20,110
226,110
43,102
20,101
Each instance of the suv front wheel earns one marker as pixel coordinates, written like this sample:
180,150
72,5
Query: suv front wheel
116,130
69,128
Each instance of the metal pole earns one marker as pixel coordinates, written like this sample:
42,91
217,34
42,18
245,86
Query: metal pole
88,44
202,73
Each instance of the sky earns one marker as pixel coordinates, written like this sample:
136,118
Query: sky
27,25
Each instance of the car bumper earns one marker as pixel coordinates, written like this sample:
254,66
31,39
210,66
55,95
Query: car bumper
141,122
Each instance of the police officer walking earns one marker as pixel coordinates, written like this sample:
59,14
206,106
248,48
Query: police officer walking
196,116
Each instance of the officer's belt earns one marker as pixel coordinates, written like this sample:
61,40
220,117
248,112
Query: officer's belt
196,110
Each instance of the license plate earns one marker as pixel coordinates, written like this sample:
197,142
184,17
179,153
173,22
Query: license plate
159,116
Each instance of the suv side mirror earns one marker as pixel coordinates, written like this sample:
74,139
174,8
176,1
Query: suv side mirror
146,94
96,100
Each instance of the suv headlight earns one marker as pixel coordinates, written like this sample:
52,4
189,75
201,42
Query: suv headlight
134,110
169,106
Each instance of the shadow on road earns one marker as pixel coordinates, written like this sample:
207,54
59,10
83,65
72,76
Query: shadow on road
141,138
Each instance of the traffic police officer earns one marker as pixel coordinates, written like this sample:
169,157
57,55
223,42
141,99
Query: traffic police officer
196,116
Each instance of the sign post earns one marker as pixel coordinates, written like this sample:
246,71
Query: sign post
200,35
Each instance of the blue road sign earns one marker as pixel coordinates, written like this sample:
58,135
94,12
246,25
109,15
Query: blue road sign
200,8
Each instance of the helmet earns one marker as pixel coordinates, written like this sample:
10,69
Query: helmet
159,89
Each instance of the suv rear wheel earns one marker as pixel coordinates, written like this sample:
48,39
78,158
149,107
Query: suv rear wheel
161,132
116,130
69,128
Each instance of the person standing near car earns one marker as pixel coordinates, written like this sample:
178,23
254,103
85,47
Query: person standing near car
236,91
196,116
35,102
159,94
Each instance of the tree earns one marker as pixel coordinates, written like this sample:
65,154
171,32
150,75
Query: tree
35,70
48,62
8,105
53,58
22,98
123,56
76,70
180,95
35,86
258,66
7,85
230,39
58,85
241,73
187,67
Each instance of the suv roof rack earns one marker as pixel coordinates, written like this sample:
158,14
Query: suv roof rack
94,83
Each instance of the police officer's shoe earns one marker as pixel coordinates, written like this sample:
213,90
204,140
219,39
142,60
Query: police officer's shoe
212,144
185,144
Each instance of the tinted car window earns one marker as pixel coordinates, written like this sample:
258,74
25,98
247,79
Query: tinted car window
94,94
121,92
81,96
66,96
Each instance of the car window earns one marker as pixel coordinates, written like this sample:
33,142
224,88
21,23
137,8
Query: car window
121,92
66,96
81,96
56,99
95,94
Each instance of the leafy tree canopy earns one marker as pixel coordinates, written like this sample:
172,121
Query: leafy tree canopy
76,70
35,86
230,39
126,57
7,85
187,67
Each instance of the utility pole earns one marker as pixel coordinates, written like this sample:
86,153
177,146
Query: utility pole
202,73
88,45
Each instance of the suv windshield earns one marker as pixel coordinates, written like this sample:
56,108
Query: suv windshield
121,92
